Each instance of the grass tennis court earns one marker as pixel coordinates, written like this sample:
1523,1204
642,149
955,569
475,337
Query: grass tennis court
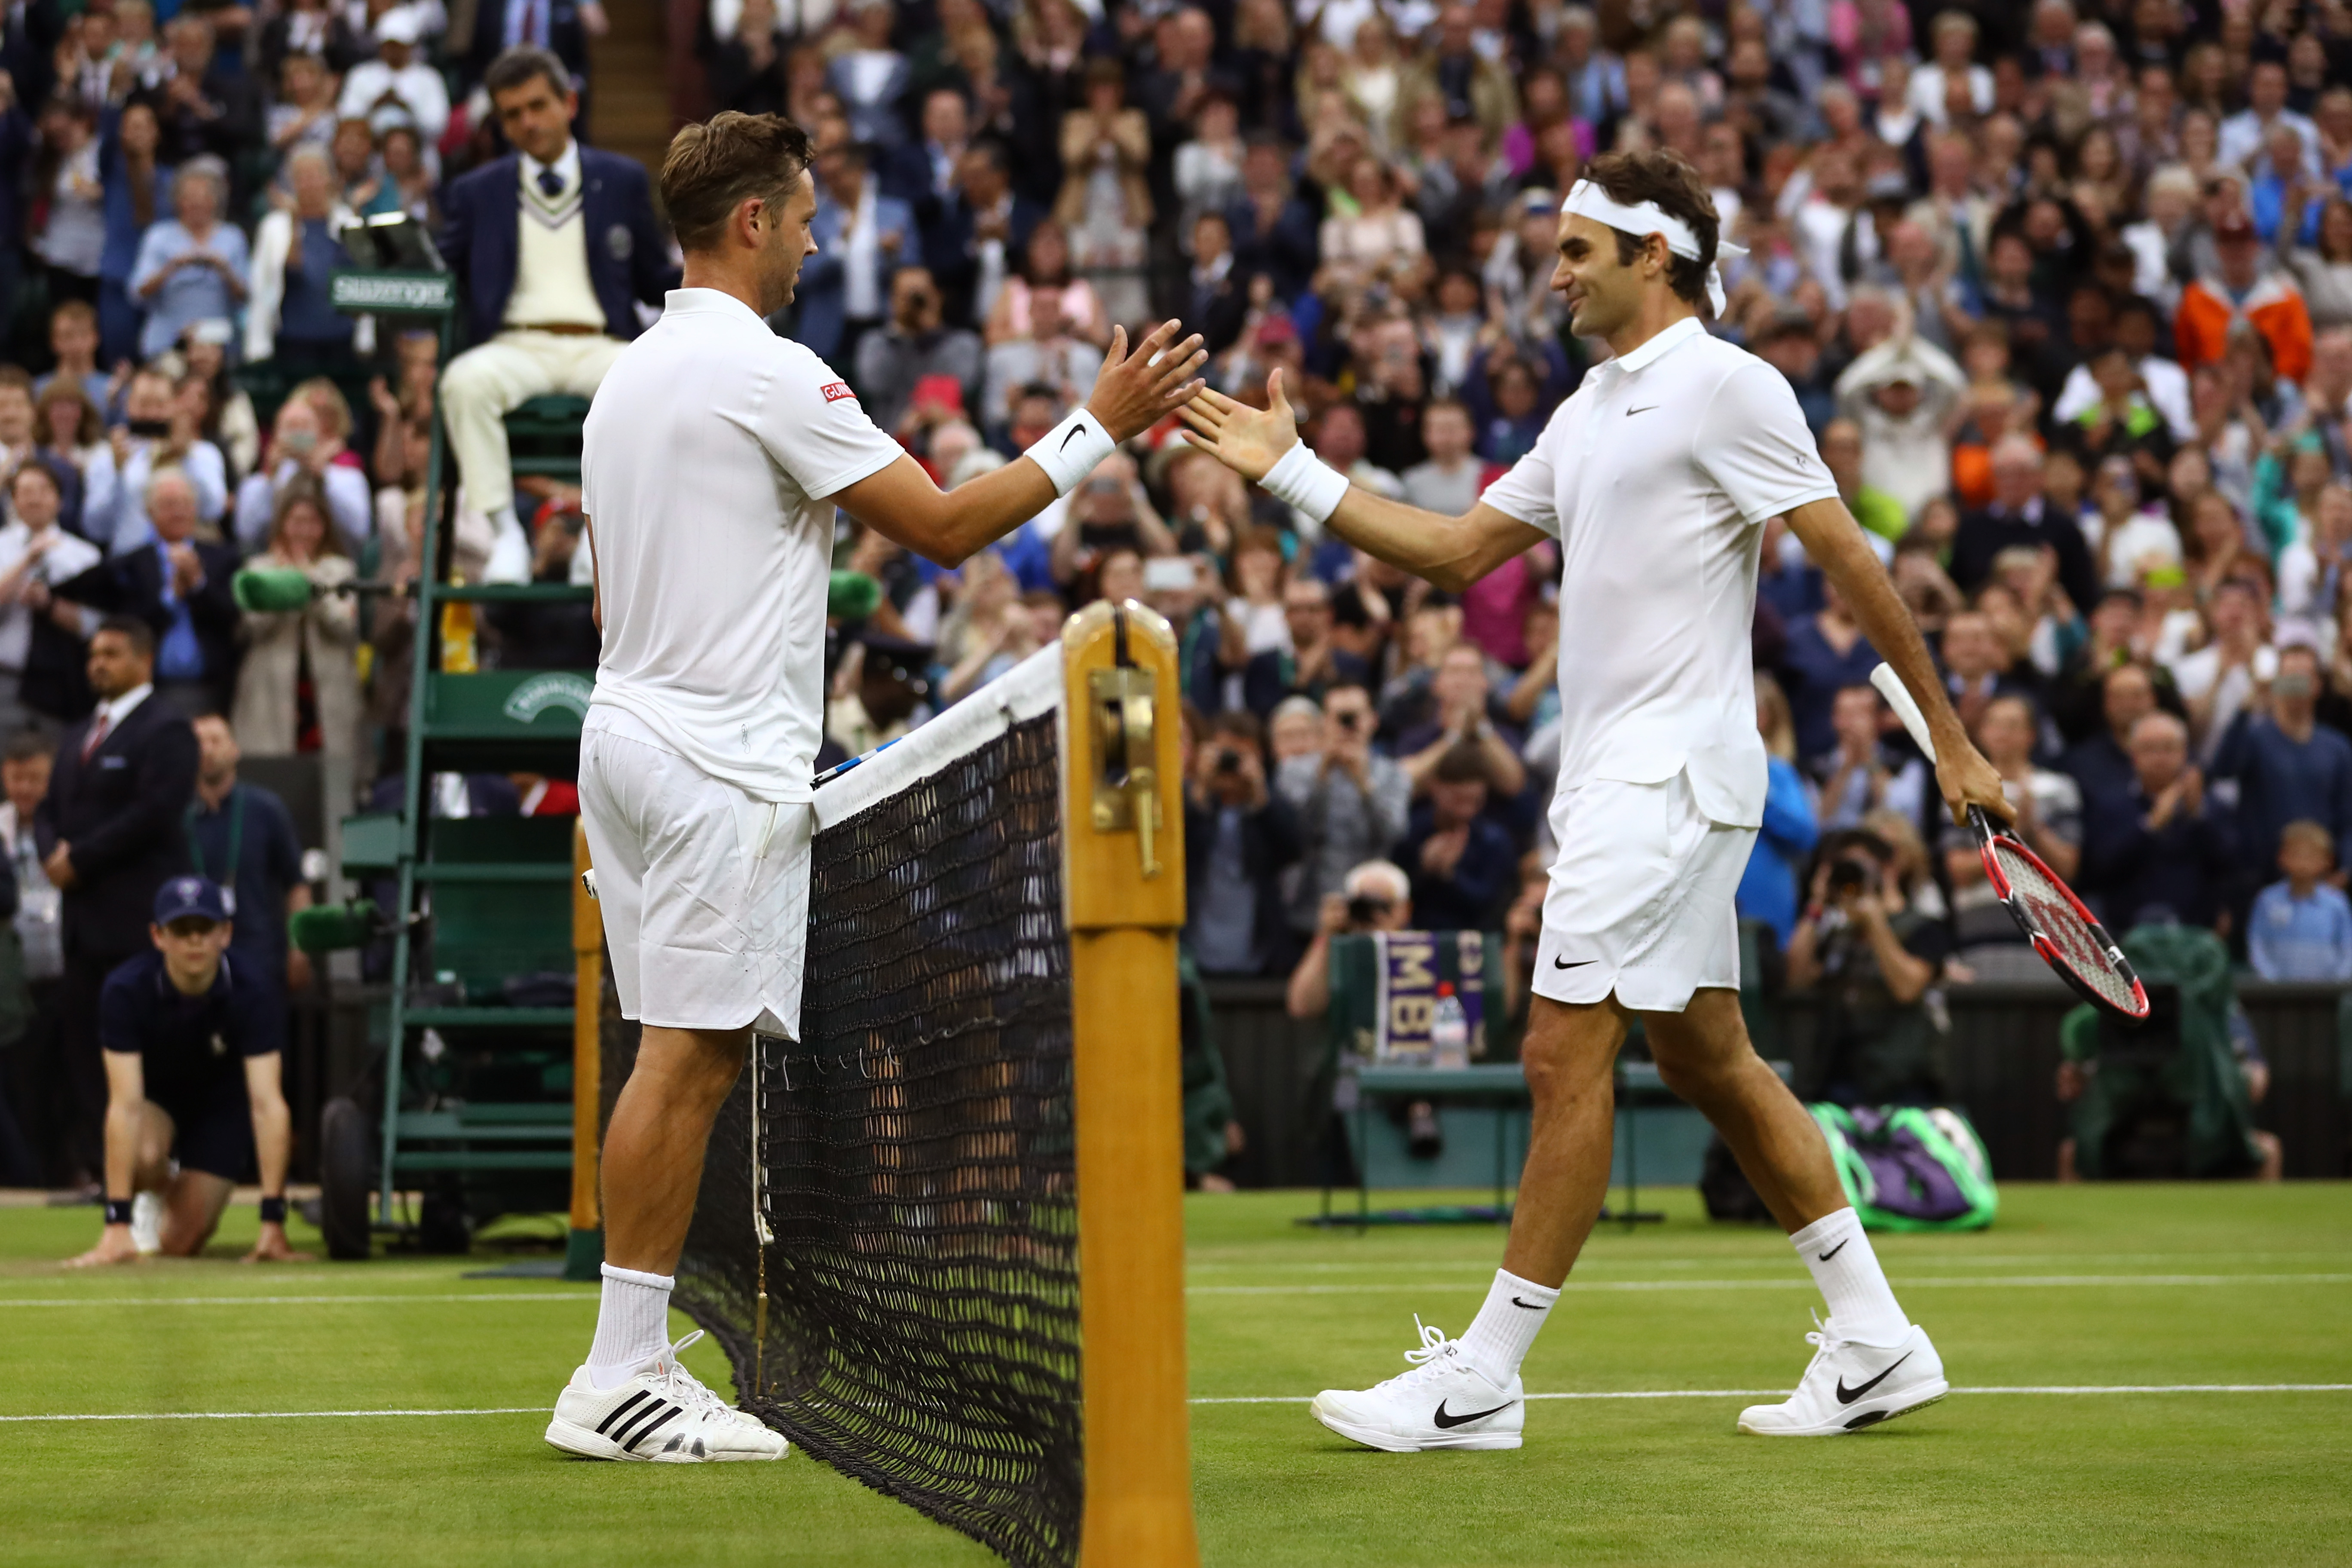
2074,1288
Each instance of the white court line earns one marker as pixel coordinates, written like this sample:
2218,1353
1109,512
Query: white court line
1908,1282
1790,1282
1252,1399
290,1301
1927,1257
1769,1393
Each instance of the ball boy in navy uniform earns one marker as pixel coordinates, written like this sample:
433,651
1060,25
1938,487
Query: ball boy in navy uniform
193,1097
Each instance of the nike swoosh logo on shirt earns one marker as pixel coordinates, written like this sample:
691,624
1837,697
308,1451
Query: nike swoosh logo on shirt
1563,963
1448,1422
1645,409
1848,1396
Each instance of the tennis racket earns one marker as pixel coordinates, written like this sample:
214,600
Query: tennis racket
2069,939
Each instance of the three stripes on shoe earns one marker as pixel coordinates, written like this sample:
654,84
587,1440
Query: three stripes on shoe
651,1415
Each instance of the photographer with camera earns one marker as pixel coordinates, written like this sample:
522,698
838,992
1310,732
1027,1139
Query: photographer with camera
1239,838
40,637
1351,801
1108,511
1873,962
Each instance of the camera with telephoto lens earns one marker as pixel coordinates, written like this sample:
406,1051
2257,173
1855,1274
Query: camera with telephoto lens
1850,873
1364,909
1229,762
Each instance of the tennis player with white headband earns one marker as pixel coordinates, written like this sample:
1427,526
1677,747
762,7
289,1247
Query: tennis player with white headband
1656,479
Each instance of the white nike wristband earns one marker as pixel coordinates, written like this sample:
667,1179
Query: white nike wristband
1070,451
1304,480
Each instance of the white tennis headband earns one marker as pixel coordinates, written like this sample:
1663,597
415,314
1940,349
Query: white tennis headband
1586,199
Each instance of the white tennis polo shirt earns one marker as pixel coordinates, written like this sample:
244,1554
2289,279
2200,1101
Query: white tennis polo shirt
711,450
1656,478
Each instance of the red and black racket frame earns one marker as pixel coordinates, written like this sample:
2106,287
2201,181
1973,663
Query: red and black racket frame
2059,965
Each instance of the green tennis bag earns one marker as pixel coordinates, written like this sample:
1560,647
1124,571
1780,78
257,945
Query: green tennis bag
1907,1167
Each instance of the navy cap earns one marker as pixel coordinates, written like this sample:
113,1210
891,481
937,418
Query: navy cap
184,896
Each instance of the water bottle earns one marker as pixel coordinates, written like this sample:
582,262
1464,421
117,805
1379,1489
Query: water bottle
1449,1030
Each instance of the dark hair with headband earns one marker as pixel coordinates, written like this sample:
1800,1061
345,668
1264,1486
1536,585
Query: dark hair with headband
1665,176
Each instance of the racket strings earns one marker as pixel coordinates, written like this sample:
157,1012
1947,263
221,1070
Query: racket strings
2054,916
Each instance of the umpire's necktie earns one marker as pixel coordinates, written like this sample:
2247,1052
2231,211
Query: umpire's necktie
551,183
99,727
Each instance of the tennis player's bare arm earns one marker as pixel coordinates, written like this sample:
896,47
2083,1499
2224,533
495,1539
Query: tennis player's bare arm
901,502
1455,551
1451,552
1130,396
1834,542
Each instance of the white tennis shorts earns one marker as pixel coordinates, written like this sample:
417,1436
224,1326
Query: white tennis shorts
704,890
1641,898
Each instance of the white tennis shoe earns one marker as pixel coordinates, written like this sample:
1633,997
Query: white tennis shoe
661,1412
509,559
147,1223
1850,1387
1442,1402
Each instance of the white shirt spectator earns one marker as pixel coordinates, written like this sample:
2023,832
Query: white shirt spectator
2147,540
2194,675
2167,392
2242,135
349,505
1926,93
114,503
69,555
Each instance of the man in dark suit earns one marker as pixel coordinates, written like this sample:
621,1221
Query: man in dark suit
2019,516
974,236
560,27
110,833
555,244
180,586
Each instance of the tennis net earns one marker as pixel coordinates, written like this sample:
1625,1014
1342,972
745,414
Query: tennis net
907,1168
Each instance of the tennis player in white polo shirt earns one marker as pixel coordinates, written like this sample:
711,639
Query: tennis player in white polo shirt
716,453
1656,479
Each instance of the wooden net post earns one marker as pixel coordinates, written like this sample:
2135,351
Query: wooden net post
1123,822
583,1251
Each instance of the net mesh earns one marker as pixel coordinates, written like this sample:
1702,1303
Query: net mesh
915,1165
2052,914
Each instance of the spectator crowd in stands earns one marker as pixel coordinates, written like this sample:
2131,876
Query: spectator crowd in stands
2063,288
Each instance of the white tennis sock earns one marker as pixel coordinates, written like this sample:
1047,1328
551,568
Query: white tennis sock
632,1324
1506,1327
1862,1304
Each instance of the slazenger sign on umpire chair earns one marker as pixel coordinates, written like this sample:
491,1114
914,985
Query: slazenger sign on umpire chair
393,293
556,688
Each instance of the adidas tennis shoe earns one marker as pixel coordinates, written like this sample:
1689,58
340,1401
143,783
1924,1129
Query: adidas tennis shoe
147,1223
1442,1402
661,1412
1850,1387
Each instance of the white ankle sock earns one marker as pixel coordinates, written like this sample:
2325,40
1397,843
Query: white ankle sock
632,1324
1507,1326
1862,1304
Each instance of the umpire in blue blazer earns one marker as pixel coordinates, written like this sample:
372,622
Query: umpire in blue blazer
555,244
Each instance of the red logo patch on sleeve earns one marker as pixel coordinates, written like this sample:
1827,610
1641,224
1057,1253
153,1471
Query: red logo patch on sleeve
836,391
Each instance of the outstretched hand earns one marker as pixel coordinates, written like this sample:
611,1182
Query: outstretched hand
1133,392
1248,440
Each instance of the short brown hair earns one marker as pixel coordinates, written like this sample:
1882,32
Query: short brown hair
515,67
1665,176
722,161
